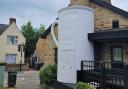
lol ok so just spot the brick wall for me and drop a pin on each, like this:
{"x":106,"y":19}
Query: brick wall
{"x":103,"y":16}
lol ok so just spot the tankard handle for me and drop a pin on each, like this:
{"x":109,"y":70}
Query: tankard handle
{"x":53,"y":33}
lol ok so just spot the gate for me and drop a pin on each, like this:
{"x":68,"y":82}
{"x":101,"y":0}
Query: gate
{"x":2,"y":70}
{"x":102,"y":75}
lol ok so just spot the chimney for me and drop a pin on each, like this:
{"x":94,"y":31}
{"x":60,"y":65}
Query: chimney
{"x":79,"y":2}
{"x":12,"y":20}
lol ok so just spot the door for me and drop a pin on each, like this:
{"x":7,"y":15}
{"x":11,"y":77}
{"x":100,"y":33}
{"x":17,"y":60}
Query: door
{"x":66,"y":66}
{"x":117,"y":57}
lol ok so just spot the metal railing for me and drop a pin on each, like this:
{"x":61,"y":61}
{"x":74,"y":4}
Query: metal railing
{"x":104,"y":75}
{"x":105,"y":29}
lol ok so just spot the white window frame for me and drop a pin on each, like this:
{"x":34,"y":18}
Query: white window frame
{"x":12,"y":60}
{"x":12,"y":40}
{"x":117,"y":54}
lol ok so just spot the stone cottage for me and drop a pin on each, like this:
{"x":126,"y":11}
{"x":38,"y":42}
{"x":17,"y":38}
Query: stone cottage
{"x":46,"y":49}
{"x":110,"y":37}
{"x":10,"y":38}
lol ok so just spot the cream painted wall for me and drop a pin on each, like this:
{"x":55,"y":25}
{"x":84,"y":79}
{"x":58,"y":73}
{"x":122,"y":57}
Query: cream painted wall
{"x":5,"y":48}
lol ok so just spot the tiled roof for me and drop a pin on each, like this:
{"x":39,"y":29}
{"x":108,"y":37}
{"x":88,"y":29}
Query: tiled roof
{"x":43,"y":36}
{"x":3,"y":27}
{"x":45,"y":33}
{"x":111,"y":7}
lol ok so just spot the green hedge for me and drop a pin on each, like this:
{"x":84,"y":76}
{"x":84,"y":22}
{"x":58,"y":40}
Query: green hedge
{"x":47,"y":74}
{"x":2,"y":88}
{"x":7,"y":88}
{"x":1,"y":64}
{"x":82,"y":85}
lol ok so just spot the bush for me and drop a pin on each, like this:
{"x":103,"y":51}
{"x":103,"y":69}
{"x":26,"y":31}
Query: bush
{"x":1,"y":63}
{"x":82,"y":85}
{"x":7,"y":88}
{"x":2,"y":88}
{"x":47,"y":74}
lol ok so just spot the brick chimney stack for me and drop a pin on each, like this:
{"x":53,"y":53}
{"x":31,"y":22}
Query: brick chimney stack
{"x":12,"y":20}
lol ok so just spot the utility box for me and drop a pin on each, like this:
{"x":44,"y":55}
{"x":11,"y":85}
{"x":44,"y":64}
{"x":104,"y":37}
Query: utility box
{"x":12,"y":76}
{"x":2,"y":71}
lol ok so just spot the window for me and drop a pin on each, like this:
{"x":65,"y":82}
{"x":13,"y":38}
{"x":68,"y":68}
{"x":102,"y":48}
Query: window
{"x":115,"y":24}
{"x":117,"y":58}
{"x":117,"y":54}
{"x":11,"y":58}
{"x":12,"y":40}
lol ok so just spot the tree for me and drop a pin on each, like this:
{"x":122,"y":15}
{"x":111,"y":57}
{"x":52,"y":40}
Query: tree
{"x":32,"y":35}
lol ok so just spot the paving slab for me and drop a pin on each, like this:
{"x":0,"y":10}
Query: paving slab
{"x":27,"y":80}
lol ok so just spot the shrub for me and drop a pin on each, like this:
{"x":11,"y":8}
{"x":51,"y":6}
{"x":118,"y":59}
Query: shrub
{"x":82,"y":85}
{"x":2,"y":88}
{"x":47,"y":74}
{"x":1,"y":63}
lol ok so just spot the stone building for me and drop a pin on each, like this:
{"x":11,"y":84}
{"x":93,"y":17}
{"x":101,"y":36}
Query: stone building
{"x":46,"y":49}
{"x":110,"y":35}
{"x":10,"y":38}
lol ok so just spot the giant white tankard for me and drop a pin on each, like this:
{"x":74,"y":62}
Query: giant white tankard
{"x":74,"y":24}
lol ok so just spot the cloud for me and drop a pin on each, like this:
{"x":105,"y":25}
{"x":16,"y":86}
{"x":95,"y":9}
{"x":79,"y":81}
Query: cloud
{"x":123,"y":4}
{"x":38,"y":11}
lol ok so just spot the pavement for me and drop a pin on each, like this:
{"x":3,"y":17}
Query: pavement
{"x":26,"y":80}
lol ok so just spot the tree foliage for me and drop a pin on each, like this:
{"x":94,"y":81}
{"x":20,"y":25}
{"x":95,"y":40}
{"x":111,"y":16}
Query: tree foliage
{"x":32,"y":35}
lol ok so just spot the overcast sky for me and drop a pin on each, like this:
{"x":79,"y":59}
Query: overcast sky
{"x":38,"y":11}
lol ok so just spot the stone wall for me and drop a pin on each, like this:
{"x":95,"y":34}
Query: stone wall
{"x":40,"y":49}
{"x":106,"y":51}
{"x":79,"y":2}
{"x":45,"y":49}
{"x":104,"y":17}
{"x":16,"y":67}
{"x":6,"y":48}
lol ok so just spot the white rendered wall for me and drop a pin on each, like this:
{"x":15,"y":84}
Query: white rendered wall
{"x":74,"y":24}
